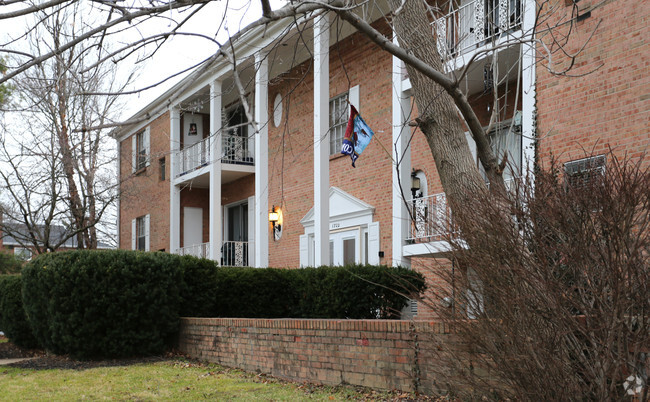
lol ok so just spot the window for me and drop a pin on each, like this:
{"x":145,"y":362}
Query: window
{"x":161,"y":164}
{"x":338,"y":122}
{"x":23,"y":253}
{"x":507,"y":139}
{"x":580,"y":173}
{"x":140,"y":147}
{"x":141,"y":151}
{"x":140,"y":233}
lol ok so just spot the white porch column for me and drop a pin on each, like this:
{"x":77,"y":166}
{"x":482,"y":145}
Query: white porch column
{"x":321,"y":141}
{"x":528,"y":86}
{"x":261,"y":161}
{"x":401,"y":172}
{"x":174,"y":190}
{"x":215,"y":172}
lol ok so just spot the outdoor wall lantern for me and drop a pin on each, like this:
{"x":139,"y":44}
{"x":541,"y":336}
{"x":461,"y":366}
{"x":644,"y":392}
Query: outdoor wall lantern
{"x":415,"y":184}
{"x":275,"y":219}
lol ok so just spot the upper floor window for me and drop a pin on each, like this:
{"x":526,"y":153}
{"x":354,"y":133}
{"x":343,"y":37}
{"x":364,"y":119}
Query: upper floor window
{"x":140,"y":149}
{"x":162,"y":166}
{"x":506,"y":140}
{"x":338,"y":121}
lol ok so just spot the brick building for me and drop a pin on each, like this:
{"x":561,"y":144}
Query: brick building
{"x":200,"y":177}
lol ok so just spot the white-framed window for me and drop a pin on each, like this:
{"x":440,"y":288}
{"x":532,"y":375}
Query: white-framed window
{"x":23,"y":253}
{"x":339,"y":115}
{"x":581,"y":172}
{"x":505,"y":137}
{"x":141,"y":149}
{"x":140,"y":233}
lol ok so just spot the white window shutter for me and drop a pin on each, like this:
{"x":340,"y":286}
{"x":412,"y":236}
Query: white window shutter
{"x":353,"y":97}
{"x":147,"y":135}
{"x":134,"y":228}
{"x":373,"y":243}
{"x":251,"y":231}
{"x":134,"y":153}
{"x":304,"y":251}
{"x":146,"y":233}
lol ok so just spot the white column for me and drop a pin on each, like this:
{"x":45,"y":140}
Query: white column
{"x":402,"y":157}
{"x":528,"y":89}
{"x":215,"y":172}
{"x":261,"y":161}
{"x":321,"y":141}
{"x":174,"y":190}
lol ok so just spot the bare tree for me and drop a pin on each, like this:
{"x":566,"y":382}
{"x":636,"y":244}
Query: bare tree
{"x":60,"y":171}
{"x":557,"y":308}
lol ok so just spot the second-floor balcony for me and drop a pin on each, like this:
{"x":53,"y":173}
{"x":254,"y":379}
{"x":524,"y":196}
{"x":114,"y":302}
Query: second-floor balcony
{"x":474,"y":24}
{"x":234,"y":150}
{"x":430,"y":218}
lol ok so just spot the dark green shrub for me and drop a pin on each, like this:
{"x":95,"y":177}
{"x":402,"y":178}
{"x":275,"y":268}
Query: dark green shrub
{"x":199,"y":287}
{"x":358,"y":291}
{"x":327,"y":292}
{"x":13,"y":321}
{"x":9,"y":264}
{"x":103,"y":303}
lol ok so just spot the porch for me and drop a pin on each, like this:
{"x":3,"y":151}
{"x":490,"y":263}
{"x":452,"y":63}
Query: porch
{"x":233,"y":253}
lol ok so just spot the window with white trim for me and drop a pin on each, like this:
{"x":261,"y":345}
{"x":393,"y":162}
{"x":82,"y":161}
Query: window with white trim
{"x":140,"y":150}
{"x":339,"y":112}
{"x":140,"y":233}
{"x":23,"y":253}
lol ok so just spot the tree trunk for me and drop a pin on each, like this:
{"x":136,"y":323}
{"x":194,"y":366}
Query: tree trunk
{"x":438,"y":118}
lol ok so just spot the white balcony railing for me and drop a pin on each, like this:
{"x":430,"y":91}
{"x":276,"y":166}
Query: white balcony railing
{"x":474,"y":24}
{"x":194,"y":156}
{"x":236,"y":149}
{"x":431,"y":218}
{"x":201,"y":250}
{"x":234,"y":254}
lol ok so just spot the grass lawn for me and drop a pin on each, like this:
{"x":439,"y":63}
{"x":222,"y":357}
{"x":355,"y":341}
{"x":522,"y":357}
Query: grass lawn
{"x":168,"y":380}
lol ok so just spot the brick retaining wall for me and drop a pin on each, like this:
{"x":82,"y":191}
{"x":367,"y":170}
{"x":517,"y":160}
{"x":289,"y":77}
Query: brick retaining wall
{"x":373,"y":353}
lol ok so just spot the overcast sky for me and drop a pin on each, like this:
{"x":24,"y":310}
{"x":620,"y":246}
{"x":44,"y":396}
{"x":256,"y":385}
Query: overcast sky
{"x":177,"y":54}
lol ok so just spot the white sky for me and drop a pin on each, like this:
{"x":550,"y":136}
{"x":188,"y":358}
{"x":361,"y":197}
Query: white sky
{"x":178,"y":53}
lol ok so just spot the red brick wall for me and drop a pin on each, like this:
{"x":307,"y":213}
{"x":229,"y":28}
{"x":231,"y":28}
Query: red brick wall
{"x":143,"y":193}
{"x":238,"y":190}
{"x":372,"y":353}
{"x":609,"y":107}
{"x":291,"y":177}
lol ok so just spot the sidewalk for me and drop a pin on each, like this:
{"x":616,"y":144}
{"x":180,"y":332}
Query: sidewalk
{"x":4,"y":362}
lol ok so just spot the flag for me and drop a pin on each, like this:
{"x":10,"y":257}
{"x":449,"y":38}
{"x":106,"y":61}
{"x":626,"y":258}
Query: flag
{"x":357,"y":136}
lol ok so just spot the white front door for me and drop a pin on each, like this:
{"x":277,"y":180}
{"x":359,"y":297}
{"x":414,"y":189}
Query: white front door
{"x":192,"y":226}
{"x":345,"y":247}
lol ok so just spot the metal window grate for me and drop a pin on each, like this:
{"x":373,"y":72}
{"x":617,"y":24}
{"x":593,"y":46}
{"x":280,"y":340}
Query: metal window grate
{"x":414,"y":307}
{"x":338,"y":122}
{"x":581,"y":172}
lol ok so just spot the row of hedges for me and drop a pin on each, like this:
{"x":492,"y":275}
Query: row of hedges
{"x":13,"y":321}
{"x":356,"y":292}
{"x":123,"y":303}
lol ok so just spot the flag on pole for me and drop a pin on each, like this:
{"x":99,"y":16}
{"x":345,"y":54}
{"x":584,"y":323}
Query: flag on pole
{"x":357,"y":136}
